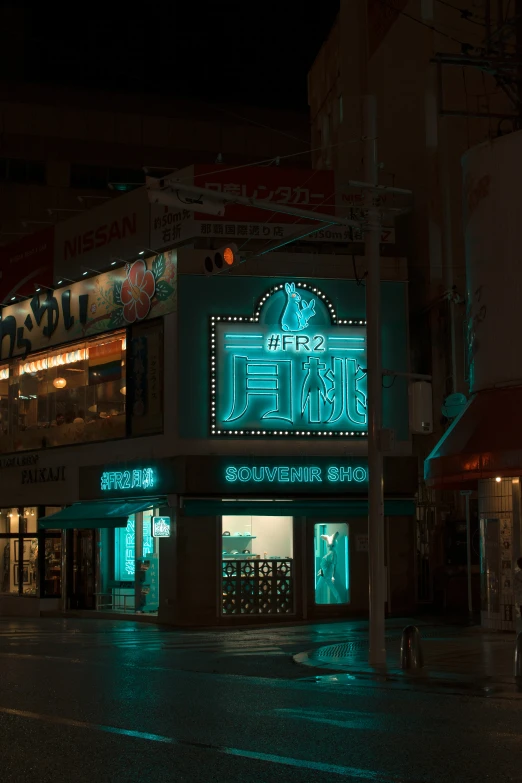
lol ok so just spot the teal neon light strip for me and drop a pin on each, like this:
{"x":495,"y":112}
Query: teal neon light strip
{"x":320,"y":387}
{"x":334,"y":474}
{"x":139,"y":478}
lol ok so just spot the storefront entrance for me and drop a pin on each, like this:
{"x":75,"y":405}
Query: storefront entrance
{"x":82,"y":569}
{"x":111,"y":555}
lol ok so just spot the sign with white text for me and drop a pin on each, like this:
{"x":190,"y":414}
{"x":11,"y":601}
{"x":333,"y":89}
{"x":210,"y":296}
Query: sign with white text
{"x":313,"y":190}
{"x":118,"y":228}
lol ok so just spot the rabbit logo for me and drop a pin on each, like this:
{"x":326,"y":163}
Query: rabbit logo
{"x":297,"y":313}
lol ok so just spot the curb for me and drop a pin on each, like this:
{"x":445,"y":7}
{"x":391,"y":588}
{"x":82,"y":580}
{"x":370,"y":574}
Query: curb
{"x":480,"y":684}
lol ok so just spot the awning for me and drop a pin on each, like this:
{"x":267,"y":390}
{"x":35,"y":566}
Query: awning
{"x":485,"y":441}
{"x":83,"y":516}
{"x":316,"y":507}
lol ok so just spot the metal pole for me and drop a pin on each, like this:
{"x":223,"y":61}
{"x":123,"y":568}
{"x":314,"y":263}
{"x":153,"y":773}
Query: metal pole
{"x":377,"y":651}
{"x":468,"y":548}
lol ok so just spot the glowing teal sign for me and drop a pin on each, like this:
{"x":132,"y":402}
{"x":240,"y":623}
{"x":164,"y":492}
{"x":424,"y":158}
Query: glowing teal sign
{"x":125,"y":550}
{"x":140,"y":478}
{"x":161,"y":527}
{"x":291,"y":369}
{"x":309,"y":474}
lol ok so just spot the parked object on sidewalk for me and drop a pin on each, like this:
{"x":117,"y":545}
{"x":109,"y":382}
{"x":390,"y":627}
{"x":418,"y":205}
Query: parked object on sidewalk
{"x":518,"y":659}
{"x":517,"y":584}
{"x":411,"y":648}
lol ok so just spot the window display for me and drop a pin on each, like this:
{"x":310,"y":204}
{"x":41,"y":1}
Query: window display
{"x":332,"y":566}
{"x":257,"y":565}
{"x":18,"y":556}
{"x":128,"y":558}
{"x":254,"y":538}
{"x":64,"y":396}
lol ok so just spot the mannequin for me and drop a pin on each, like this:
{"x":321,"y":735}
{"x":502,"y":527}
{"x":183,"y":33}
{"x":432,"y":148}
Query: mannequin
{"x":326,"y":571}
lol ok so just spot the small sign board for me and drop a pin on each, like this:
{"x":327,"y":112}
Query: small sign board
{"x":361,"y":542}
{"x":161,"y":527}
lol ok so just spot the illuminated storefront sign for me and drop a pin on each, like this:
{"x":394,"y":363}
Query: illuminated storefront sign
{"x":138,"y":291}
{"x":291,"y":369}
{"x":300,"y":474}
{"x":138,"y":478}
{"x":161,"y":527}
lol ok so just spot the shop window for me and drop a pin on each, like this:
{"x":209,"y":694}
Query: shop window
{"x":257,"y":565}
{"x":18,"y":556}
{"x":135,"y":551}
{"x":63,"y":397}
{"x":331,"y":563}
{"x":52,"y":573}
{"x":51,"y":585}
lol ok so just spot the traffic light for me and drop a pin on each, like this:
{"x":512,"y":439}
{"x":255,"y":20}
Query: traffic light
{"x":221,"y":259}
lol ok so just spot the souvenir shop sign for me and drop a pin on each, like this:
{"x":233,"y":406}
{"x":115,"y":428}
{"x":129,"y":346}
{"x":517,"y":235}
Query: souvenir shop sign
{"x":291,"y":369}
{"x":270,"y":476}
{"x":138,"y":291}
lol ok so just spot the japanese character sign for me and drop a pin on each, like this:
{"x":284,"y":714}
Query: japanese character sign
{"x":292,"y":368}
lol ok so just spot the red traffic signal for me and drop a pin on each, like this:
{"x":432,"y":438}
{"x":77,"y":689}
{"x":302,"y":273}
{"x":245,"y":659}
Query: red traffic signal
{"x":221,"y":259}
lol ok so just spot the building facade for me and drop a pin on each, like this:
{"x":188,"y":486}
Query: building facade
{"x":194,"y":448}
{"x":428,"y":115}
{"x":480,"y":451}
{"x":66,"y":151}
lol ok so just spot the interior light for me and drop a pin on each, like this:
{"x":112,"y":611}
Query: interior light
{"x":123,"y":390}
{"x":38,"y":290}
{"x":85,"y":273}
{"x":113,"y":263}
{"x":60,"y":282}
{"x":59,"y":383}
{"x":13,"y":298}
{"x":141,"y":252}
{"x":498,"y":479}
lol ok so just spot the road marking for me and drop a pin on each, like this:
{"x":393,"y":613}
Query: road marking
{"x":288,"y":761}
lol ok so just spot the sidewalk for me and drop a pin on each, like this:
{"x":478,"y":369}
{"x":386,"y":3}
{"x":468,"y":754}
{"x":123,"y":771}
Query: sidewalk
{"x":463,"y":657}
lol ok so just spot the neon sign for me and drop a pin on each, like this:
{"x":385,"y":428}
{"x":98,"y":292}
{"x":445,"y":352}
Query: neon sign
{"x":308,"y":474}
{"x":291,"y":369}
{"x":140,"y":478}
{"x":161,"y":527}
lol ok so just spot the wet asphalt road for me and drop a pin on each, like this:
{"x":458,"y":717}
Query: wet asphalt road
{"x":93,"y":700}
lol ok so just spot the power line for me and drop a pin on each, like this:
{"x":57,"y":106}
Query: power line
{"x":271,"y":160}
{"x":426,"y":25}
{"x":465,"y":13}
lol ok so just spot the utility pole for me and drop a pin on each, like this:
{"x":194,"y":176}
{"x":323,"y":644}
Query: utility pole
{"x":377,"y":649}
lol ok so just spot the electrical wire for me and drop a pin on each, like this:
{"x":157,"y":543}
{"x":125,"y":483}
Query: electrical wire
{"x":391,"y":384}
{"x":267,"y":161}
{"x":426,"y":25}
{"x":465,"y":13}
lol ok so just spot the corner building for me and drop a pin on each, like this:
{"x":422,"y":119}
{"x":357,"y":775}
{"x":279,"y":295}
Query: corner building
{"x":195,"y":448}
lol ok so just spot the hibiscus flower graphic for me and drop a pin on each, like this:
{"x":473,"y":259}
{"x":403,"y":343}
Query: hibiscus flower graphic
{"x":137,"y":291}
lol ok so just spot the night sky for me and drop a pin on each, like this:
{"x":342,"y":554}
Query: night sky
{"x":231,"y":51}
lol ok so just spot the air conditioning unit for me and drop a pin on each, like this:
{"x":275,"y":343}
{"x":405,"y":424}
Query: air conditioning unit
{"x":421,"y":408}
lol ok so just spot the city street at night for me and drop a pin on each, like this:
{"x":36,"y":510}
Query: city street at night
{"x":84,"y":700}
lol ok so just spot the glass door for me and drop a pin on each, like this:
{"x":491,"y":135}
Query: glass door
{"x":83,"y":570}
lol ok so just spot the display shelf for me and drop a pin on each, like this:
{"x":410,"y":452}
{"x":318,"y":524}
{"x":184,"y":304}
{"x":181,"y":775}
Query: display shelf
{"x":244,"y":535}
